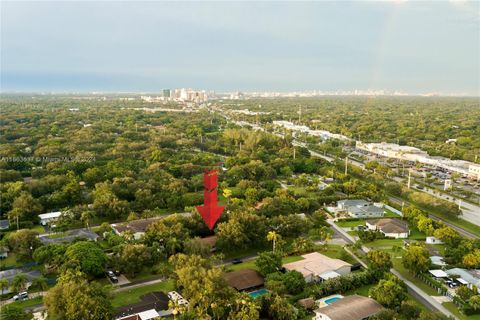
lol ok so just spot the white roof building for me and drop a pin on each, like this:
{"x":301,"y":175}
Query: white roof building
{"x":438,"y":273}
{"x":45,"y":218}
{"x":318,"y":267}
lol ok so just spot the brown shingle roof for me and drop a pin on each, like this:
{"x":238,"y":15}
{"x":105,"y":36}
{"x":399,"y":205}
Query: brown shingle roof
{"x":210,"y":241}
{"x":307,"y":303}
{"x":244,"y":279}
{"x":135,"y":225}
{"x":353,"y":307}
{"x":390,"y":225}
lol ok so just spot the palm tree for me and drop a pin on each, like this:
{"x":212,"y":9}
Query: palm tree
{"x":15,"y":214}
{"x":40,"y":283}
{"x":4,"y":284}
{"x":19,"y":282}
{"x":86,"y":217}
{"x":274,"y":237}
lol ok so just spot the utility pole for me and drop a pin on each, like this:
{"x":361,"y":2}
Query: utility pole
{"x":346,"y":165}
{"x":294,"y":153}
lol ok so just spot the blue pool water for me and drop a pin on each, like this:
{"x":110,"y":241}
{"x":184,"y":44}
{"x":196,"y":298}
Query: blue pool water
{"x":331,"y":300}
{"x":258,"y":293}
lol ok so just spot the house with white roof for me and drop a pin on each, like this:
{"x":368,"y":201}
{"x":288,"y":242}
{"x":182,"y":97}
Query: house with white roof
{"x":469,"y":278}
{"x":361,"y":208}
{"x":49,"y":217}
{"x":433,"y":240}
{"x":316,"y":267}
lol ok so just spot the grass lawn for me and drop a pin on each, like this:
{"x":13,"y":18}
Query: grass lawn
{"x":132,"y":296}
{"x":336,"y":252}
{"x":397,"y":264}
{"x":390,"y":214}
{"x":244,"y":265}
{"x":300,"y":191}
{"x":461,"y":223}
{"x":146,"y":273}
{"x":10,"y":261}
{"x":453,"y":309}
{"x":28,"y":303}
{"x":350,"y":224}
{"x":38,"y":228}
{"x":291,"y":259}
{"x":437,"y":247}
{"x":246,"y":252}
{"x":251,"y":264}
{"x":362,"y":291}
{"x":416,"y":235}
{"x":385,"y":244}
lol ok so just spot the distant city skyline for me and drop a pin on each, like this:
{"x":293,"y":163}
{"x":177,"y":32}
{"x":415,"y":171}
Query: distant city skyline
{"x":395,"y":46}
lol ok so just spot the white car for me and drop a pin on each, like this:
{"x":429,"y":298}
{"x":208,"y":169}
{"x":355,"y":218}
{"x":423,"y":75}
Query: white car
{"x":20,"y":296}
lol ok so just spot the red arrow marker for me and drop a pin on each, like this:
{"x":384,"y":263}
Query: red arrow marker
{"x":210,"y":211}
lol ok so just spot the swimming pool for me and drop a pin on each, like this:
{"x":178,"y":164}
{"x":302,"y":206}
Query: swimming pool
{"x":258,"y":293}
{"x":331,"y":300}
{"x":325,"y":302}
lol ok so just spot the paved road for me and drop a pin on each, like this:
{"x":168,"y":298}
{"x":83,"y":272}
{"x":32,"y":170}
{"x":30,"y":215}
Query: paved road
{"x":30,"y":296}
{"x":461,"y":231}
{"x":418,"y":293}
{"x":41,"y":307}
{"x":470,"y":212}
{"x":424,"y":298}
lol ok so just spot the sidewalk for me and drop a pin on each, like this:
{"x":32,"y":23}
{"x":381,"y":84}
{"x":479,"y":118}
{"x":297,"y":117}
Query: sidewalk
{"x":419,"y":294}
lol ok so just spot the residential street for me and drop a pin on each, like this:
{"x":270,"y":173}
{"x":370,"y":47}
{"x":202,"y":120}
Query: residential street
{"x":420,"y":295}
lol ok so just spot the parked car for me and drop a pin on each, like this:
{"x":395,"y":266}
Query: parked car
{"x":111,"y":275}
{"x":20,"y":296}
{"x":236,"y":261}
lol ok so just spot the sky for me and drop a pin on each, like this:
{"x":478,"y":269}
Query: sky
{"x":408,"y":46}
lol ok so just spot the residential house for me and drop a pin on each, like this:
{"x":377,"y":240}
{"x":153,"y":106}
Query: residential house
{"x":361,"y":208}
{"x":11,"y":273}
{"x":316,"y":267}
{"x":151,"y":306}
{"x":433,"y":240}
{"x":136,"y":227}
{"x":70,"y":236}
{"x":244,"y":280}
{"x":469,"y":278}
{"x":391,"y":228}
{"x":438,"y":274}
{"x":209,"y":241}
{"x":4,"y":224}
{"x":353,"y":307}
{"x":48,"y":218}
